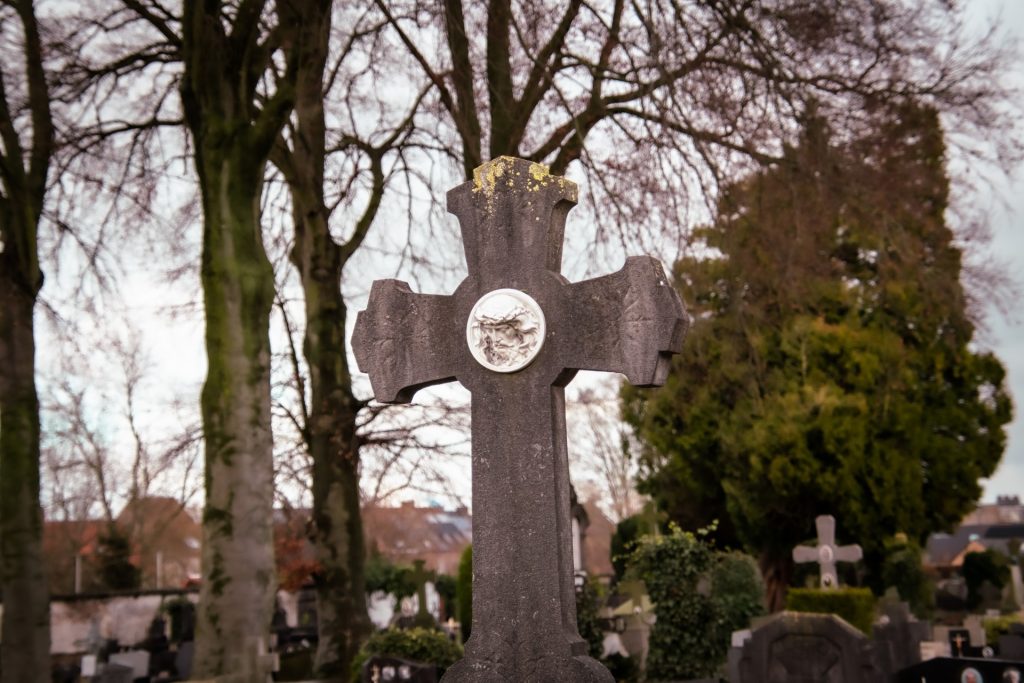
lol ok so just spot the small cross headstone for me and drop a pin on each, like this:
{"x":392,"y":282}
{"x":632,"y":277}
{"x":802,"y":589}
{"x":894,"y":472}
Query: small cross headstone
{"x":827,"y":553}
{"x":515,"y":333}
{"x":420,"y":575}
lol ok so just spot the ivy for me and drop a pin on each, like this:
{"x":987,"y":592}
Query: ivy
{"x":700,"y":597}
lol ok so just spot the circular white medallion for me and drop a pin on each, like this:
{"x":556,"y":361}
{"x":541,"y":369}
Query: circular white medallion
{"x":505,"y":330}
{"x":826,"y":554}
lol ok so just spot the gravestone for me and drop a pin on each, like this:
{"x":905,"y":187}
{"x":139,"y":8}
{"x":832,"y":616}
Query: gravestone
{"x":514,"y":333}
{"x":827,"y":553}
{"x":420,"y":575}
{"x":796,"y":647}
{"x":898,"y":637}
{"x":115,"y":673}
{"x":137,"y":660}
{"x":385,"y":669}
{"x":962,"y":670}
{"x":1011,"y":645}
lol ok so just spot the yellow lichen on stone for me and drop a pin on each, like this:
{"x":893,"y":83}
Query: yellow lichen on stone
{"x":539,"y":172}
{"x":487,"y":176}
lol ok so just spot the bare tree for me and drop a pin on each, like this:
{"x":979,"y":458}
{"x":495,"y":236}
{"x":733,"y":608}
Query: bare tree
{"x":599,"y":449}
{"x":26,"y":147}
{"x":655,"y":103}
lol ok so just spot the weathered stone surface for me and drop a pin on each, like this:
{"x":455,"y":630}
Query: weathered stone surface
{"x":512,"y":218}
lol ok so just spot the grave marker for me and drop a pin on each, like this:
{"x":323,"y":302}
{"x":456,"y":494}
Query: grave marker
{"x":420,"y":575}
{"x":827,"y":553}
{"x":515,"y":333}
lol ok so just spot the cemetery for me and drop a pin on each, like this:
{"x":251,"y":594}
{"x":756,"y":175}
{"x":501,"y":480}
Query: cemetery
{"x":675,"y":609}
{"x":535,"y":342}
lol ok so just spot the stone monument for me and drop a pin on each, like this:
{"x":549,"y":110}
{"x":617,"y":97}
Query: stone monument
{"x":794,"y":647}
{"x":514,"y":333}
{"x":827,"y":553}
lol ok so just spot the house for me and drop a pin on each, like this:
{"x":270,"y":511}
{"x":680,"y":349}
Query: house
{"x":998,"y":526}
{"x":408,"y":532}
{"x":164,"y":538}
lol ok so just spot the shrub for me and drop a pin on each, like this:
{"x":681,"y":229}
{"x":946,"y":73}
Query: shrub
{"x":903,"y":571}
{"x":855,"y":605}
{"x":382,"y":575}
{"x":991,"y":566}
{"x":464,"y":592}
{"x":588,"y":602}
{"x":418,"y":644}
{"x":700,"y":597}
{"x":116,"y":570}
{"x":998,"y":626}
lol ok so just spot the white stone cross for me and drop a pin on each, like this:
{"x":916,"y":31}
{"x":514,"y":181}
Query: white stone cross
{"x":827,"y":553}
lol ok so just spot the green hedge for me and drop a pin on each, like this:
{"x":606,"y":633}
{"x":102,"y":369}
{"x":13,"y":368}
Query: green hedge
{"x":855,"y":605}
{"x":418,"y":644}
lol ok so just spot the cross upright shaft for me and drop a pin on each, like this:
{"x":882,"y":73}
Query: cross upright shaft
{"x":515,"y":332}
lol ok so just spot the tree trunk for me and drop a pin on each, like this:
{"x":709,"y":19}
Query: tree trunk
{"x":25,"y":627}
{"x":237,"y":595}
{"x":777,"y":572}
{"x":337,"y":527}
{"x":232,"y":140}
{"x":337,"y":522}
{"x":25,"y":651}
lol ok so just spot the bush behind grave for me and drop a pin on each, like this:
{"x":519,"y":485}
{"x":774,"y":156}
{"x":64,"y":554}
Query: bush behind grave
{"x":419,"y":644}
{"x":700,"y":595}
{"x":855,"y":605}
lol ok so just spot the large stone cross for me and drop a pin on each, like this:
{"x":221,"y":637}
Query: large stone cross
{"x":515,"y":332}
{"x":827,"y":553}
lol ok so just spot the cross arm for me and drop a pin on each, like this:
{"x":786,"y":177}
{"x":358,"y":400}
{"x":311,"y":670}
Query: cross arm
{"x":631,"y":322}
{"x":804,"y":553}
{"x":404,"y":340}
{"x":849,"y":553}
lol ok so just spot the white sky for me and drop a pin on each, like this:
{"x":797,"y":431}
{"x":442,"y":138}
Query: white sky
{"x":1006,"y":335}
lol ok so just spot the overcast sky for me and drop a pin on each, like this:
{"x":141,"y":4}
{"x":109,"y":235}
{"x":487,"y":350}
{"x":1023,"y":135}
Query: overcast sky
{"x":181,"y":343}
{"x":1006,"y":336}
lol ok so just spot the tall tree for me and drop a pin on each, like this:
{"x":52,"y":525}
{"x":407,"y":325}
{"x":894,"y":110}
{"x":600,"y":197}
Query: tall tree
{"x":830,"y":366}
{"x":227,"y":49}
{"x":26,"y":147}
{"x":329,"y":425}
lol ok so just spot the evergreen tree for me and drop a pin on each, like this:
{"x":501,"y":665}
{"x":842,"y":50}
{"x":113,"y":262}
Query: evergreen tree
{"x":830,"y":367}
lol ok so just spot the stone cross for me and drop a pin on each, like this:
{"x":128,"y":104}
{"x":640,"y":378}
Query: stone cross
{"x":827,"y":553}
{"x":420,"y":576}
{"x":514,"y":333}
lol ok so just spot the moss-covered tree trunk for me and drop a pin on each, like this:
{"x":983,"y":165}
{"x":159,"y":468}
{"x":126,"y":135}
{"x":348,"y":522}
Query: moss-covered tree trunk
{"x":337,"y":528}
{"x":25,"y":651}
{"x":232,"y":139}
